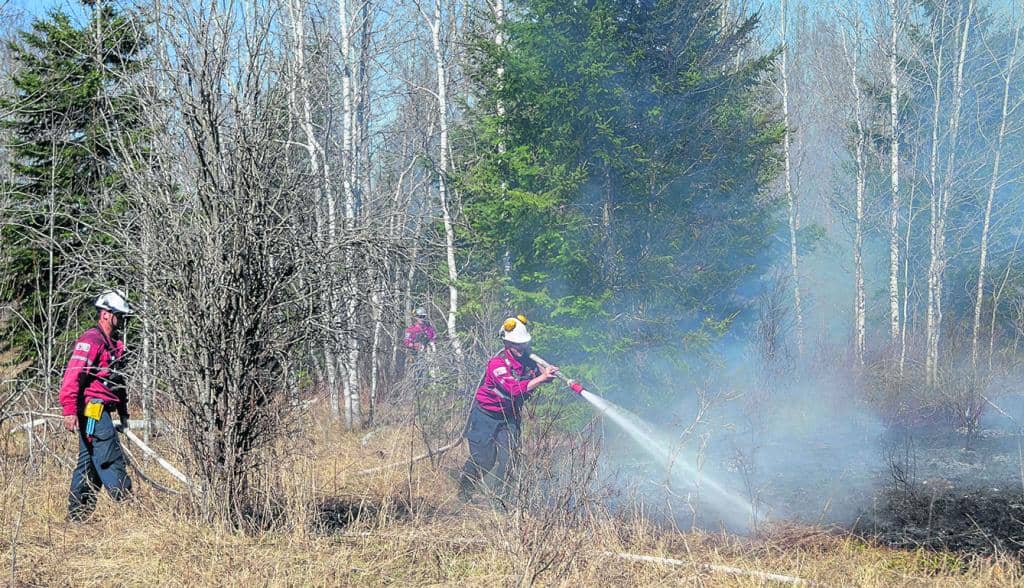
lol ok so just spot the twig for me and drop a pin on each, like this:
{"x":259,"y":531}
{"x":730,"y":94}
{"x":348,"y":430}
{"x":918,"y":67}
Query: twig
{"x":61,"y":460}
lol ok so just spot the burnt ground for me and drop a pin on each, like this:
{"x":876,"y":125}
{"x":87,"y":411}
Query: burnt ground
{"x":952,"y":491}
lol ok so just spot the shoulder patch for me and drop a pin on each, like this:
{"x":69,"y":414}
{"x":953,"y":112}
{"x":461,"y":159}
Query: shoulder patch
{"x":82,"y":346}
{"x":500,"y":371}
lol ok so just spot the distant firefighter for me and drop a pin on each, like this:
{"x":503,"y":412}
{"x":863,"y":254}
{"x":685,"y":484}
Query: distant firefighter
{"x":93,"y":385}
{"x":494,"y":421}
{"x":420,"y":334}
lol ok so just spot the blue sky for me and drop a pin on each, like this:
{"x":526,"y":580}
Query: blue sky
{"x":39,"y":7}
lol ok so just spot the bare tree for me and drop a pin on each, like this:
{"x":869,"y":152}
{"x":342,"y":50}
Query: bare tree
{"x":223,"y":291}
{"x":894,"y":174}
{"x":942,"y":192}
{"x":791,"y":200}
{"x":1008,"y":76}
{"x":436,"y":20}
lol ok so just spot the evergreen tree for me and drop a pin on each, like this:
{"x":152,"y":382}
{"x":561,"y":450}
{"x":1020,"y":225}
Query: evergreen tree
{"x":618,"y":172}
{"x":70,"y":108}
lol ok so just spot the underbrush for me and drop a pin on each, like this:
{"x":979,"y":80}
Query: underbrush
{"x":404,"y":526}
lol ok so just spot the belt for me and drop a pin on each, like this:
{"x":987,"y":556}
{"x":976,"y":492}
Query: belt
{"x":496,"y":415}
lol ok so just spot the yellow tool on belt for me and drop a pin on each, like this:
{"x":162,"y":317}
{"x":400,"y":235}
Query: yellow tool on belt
{"x":93,"y":414}
{"x":94,"y":410}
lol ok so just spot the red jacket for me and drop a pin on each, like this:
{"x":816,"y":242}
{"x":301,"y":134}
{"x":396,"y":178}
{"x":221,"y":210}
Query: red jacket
{"x":503,"y":388}
{"x":419,"y":335}
{"x":93,"y":372}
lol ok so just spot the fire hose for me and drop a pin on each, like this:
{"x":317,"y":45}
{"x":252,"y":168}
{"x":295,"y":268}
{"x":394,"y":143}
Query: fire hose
{"x":127,"y":432}
{"x":574,"y":385}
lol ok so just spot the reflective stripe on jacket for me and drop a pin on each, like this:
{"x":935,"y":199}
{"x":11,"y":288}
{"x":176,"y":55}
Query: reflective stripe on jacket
{"x":93,"y":372}
{"x":503,"y":388}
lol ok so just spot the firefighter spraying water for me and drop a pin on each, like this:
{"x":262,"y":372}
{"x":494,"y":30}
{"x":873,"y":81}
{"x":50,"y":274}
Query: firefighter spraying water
{"x":493,"y":428}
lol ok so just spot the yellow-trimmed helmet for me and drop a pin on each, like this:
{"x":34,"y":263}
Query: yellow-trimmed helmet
{"x":513,"y":330}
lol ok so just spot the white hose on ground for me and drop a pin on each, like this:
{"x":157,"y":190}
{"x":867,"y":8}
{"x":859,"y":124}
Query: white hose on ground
{"x":163,"y":462}
{"x":780,"y":578}
{"x":408,"y":462}
{"x":712,"y":568}
{"x":127,"y":433}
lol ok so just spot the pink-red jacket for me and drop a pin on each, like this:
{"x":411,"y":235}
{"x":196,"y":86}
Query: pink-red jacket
{"x":419,"y":335}
{"x":503,"y":388}
{"x":89,"y":373}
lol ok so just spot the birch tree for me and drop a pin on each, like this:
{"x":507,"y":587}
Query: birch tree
{"x":434,"y":18}
{"x":319,"y":170}
{"x":852,"y":49}
{"x":1008,"y":76}
{"x":791,"y":201}
{"x":894,"y":175}
{"x":941,"y":193}
{"x":349,"y":179}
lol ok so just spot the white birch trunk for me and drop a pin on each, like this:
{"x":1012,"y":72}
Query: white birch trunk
{"x":853,"y":57}
{"x":993,"y":184}
{"x":894,"y":179}
{"x":318,"y":171}
{"x":790,"y":196}
{"x":934,"y":208}
{"x":941,"y":207}
{"x":351,"y":363}
{"x":442,"y":173}
{"x":906,"y":284}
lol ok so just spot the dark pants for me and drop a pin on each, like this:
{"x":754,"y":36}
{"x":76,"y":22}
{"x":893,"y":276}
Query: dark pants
{"x":100,"y":462}
{"x":493,"y":443}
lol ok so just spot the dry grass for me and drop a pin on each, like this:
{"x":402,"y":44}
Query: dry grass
{"x":405,"y":528}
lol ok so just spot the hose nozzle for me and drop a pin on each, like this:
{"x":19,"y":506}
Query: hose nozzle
{"x":573,"y":384}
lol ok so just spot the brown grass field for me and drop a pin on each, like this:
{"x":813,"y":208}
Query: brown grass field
{"x":404,"y":527}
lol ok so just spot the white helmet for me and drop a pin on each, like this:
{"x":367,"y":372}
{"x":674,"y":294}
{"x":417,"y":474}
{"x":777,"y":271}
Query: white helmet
{"x":421,"y":312}
{"x":514,"y":330}
{"x":113,"y":301}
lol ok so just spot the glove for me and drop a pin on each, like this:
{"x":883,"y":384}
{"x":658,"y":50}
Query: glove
{"x":123,"y":426}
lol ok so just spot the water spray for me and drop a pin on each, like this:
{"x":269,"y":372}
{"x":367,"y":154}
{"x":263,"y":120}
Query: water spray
{"x":733,"y":507}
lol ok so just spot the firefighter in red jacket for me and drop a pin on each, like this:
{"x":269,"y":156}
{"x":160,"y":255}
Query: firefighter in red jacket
{"x":494,"y":422}
{"x":92,"y":387}
{"x":420,"y":334}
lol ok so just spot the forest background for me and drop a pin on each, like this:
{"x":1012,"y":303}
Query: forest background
{"x":693,"y":201}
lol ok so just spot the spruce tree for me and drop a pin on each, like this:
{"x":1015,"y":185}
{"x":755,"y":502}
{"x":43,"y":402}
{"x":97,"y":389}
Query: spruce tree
{"x":622,"y":180}
{"x":69,"y":109}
